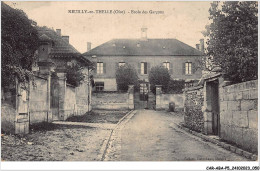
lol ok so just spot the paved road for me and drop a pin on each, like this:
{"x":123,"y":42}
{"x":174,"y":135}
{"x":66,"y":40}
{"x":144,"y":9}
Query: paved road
{"x":152,"y":136}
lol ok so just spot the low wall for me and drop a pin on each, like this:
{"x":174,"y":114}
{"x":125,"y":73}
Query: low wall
{"x":111,"y":100}
{"x":176,"y":98}
{"x":193,"y":117}
{"x":239,"y":114}
{"x":162,"y":100}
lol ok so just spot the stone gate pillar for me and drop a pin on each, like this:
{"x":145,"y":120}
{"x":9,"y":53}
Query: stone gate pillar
{"x":158,"y":105}
{"x":131,"y":97}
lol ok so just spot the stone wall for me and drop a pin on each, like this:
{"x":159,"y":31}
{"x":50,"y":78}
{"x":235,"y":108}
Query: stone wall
{"x":176,"y":98}
{"x":113,"y":100}
{"x":239,"y":115}
{"x":83,"y":98}
{"x":193,"y":117}
{"x":8,"y":114}
{"x":14,"y":109}
{"x":70,"y":101}
{"x":162,"y":100}
{"x":38,"y":101}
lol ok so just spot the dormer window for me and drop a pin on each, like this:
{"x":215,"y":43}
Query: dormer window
{"x":114,"y":44}
{"x":124,"y":47}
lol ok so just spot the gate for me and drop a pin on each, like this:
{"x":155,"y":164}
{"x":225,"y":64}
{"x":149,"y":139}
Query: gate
{"x":143,"y":98}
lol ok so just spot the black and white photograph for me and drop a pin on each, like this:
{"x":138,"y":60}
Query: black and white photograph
{"x":96,"y":83}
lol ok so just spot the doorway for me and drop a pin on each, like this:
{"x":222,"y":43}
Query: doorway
{"x":213,"y":99}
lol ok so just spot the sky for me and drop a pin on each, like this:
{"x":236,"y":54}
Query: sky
{"x":181,"y":20}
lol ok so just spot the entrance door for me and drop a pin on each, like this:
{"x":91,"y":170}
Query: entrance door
{"x":215,"y":107}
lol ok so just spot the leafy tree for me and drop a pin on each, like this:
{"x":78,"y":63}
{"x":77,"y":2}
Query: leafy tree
{"x":126,"y":75}
{"x":74,"y":74}
{"x":19,"y":43}
{"x":159,"y":75}
{"x":176,"y":86}
{"x":233,"y":36}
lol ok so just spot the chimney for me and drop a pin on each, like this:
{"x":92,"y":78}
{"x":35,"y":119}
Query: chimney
{"x":58,"y":31}
{"x":202,"y":45}
{"x":143,"y":33}
{"x":66,"y":38}
{"x":88,"y":46}
{"x":198,"y":46}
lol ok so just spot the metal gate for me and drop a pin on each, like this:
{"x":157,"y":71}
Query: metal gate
{"x":143,"y":98}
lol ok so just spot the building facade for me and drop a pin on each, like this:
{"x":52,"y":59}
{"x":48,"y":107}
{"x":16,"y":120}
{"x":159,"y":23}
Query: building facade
{"x":143,"y":54}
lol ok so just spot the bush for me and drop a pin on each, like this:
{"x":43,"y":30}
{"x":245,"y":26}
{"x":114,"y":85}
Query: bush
{"x":159,"y":76}
{"x":176,"y":86}
{"x":126,"y":75}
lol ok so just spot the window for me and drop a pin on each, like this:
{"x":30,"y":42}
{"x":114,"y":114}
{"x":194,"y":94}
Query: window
{"x":188,"y":68}
{"x":121,"y":64}
{"x":143,"y":67}
{"x":99,"y":86}
{"x":166,"y":65}
{"x":100,"y":68}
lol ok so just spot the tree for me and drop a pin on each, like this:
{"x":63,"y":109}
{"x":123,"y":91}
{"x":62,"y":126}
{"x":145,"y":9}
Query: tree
{"x":126,"y":75}
{"x":159,"y":75}
{"x":19,"y":43}
{"x":74,"y":74}
{"x":176,"y":86}
{"x":232,"y":38}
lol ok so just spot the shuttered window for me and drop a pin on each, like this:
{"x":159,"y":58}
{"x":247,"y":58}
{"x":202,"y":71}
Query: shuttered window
{"x":144,"y":68}
{"x":188,"y":68}
{"x":166,"y":65}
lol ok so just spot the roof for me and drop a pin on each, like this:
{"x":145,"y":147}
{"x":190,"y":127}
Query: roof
{"x":60,"y":45}
{"x":149,"y":47}
{"x":60,"y":48}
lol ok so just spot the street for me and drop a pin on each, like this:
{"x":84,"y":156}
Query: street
{"x":152,"y":136}
{"x":143,"y":135}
